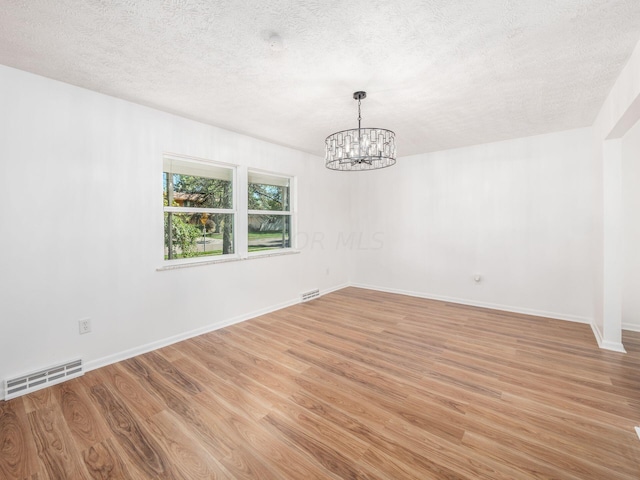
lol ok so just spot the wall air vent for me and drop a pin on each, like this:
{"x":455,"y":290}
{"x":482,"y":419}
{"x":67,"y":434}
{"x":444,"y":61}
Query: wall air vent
{"x":17,"y":386}
{"x":310,"y":295}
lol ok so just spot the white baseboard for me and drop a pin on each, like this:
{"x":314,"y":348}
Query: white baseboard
{"x":473,"y":303}
{"x":126,"y":354}
{"x":334,"y":289}
{"x":132,"y":352}
{"x":597,"y":334}
{"x":632,"y":327}
{"x":108,"y":360}
{"x":148,"y":347}
{"x":606,"y":344}
{"x":613,"y":346}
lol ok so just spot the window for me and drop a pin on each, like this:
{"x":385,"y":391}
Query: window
{"x":219,"y":212}
{"x":199,"y":208}
{"x":269,"y":211}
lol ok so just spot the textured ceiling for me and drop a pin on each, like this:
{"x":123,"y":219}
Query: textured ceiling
{"x":440,"y":73}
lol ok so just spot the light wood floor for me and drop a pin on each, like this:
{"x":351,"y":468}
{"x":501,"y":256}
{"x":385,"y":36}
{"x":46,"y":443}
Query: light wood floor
{"x":356,"y":384}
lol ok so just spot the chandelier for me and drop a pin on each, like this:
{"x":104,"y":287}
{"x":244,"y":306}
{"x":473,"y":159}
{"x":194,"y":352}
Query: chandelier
{"x":360,"y":148}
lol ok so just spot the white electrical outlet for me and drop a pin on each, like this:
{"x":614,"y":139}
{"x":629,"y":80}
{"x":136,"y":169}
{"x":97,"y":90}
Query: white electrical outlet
{"x":84,"y":325}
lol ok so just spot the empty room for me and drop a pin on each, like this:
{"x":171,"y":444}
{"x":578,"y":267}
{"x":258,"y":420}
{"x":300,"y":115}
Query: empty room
{"x":320,"y":239}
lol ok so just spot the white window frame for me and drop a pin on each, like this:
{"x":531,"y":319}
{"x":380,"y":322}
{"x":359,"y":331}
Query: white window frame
{"x":228,"y":211}
{"x":291,"y":213}
{"x":240,"y":212}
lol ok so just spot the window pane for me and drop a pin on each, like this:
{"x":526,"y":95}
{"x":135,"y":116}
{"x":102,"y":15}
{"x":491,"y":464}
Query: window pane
{"x":268,"y":232}
{"x":181,"y":190}
{"x":268,"y":192}
{"x":189,"y":235}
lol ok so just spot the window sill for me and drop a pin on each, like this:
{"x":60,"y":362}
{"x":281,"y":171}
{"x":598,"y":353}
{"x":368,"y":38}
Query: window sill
{"x":271,"y":253}
{"x":230,"y":258}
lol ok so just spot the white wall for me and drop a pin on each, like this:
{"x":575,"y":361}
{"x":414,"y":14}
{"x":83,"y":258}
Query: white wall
{"x":519,"y":213}
{"x":82,"y":229}
{"x":631,"y":229}
{"x":619,"y":112}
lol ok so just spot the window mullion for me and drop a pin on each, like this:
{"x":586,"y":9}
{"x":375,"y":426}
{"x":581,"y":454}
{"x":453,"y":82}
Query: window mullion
{"x":199,"y":210}
{"x":242,"y":222}
{"x":269,"y":212}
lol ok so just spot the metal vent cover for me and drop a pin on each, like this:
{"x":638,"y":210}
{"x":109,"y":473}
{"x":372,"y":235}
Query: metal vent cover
{"x":310,"y":295}
{"x":17,"y":386}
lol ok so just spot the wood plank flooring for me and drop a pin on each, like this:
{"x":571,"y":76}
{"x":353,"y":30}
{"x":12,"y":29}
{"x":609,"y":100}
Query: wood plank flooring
{"x":354,"y":385}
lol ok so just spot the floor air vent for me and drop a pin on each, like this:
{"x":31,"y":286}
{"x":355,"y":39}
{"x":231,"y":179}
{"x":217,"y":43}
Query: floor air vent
{"x":310,"y":295}
{"x":14,"y":387}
